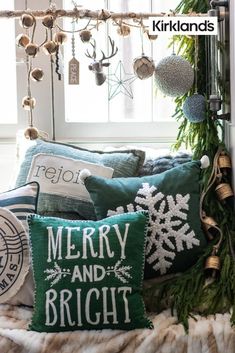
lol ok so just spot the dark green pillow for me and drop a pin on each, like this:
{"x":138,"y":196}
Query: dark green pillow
{"x":124,"y":164}
{"x":87,"y":274}
{"x":175,"y":238}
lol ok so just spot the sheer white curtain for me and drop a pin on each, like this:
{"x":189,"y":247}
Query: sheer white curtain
{"x":8,"y":107}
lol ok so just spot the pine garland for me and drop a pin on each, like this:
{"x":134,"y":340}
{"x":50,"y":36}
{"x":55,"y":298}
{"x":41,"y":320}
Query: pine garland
{"x":202,"y":137}
{"x":193,"y":291}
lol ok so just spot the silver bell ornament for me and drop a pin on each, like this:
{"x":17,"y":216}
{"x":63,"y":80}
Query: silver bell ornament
{"x":28,"y":103}
{"x":194,"y":108}
{"x":143,"y":67}
{"x":27,"y":20}
{"x":32,"y":49}
{"x":85,"y":35}
{"x":48,"y":21}
{"x":31,"y":133}
{"x":50,"y":47}
{"x":36,"y":74}
{"x":60,"y":37}
{"x":174,"y":75}
{"x":22,"y":40}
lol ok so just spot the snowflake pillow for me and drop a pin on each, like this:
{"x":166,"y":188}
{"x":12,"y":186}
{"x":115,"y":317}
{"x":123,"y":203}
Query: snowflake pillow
{"x":175,"y":238}
{"x":87,"y":276}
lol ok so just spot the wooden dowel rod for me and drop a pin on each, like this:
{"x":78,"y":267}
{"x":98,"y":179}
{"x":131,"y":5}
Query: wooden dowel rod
{"x":87,"y":14}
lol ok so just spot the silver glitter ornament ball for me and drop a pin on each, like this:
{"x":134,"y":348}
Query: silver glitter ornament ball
{"x":143,"y":67}
{"x":174,"y":75}
{"x":194,"y":108}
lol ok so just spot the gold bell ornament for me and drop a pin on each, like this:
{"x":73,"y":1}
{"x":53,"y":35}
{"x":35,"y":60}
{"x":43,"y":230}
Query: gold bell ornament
{"x":48,"y":21}
{"x":60,"y":38}
{"x":209,"y":225}
{"x":32,"y":49}
{"x":22,"y":40}
{"x":123,"y":30}
{"x":36,"y":74}
{"x":28,"y":103}
{"x":224,"y":162}
{"x":50,"y":47}
{"x":31,"y":133}
{"x":224,"y":191}
{"x":213,"y":263}
{"x":27,"y":20}
{"x":85,"y":35}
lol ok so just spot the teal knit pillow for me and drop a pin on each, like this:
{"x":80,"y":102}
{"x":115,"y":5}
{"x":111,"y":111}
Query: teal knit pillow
{"x":56,"y":166}
{"x":175,"y":238}
{"x":87,"y":274}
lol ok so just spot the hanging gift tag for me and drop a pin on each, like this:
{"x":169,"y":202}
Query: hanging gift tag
{"x":73,"y":72}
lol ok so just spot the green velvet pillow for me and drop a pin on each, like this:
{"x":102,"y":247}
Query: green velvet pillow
{"x":175,"y":238}
{"x":87,"y":274}
{"x":56,"y":167}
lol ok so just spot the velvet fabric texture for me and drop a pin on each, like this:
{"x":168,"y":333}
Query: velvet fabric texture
{"x":87,"y":274}
{"x":175,"y":238}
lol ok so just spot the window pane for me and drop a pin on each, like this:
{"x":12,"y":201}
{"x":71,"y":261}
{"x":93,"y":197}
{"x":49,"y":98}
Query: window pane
{"x":134,"y":102}
{"x":163,"y":106}
{"x":85,"y":102}
{"x":123,"y":97}
{"x":8,"y":109}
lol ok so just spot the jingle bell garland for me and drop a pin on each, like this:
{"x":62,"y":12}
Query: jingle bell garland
{"x":193,"y":292}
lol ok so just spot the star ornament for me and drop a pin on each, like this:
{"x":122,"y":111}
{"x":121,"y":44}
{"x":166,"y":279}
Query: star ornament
{"x":120,"y":82}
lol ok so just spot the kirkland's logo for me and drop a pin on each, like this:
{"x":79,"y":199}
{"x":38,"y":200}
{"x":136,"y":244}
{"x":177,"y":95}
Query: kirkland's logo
{"x":205,"y":25}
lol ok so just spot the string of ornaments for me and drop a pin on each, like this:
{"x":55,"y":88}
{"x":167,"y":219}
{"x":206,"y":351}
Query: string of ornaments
{"x":173,"y":75}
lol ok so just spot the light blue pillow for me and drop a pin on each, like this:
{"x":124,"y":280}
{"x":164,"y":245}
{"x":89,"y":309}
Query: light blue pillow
{"x":124,"y":163}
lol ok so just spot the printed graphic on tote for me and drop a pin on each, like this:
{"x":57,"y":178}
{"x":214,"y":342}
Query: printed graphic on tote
{"x":60,"y":175}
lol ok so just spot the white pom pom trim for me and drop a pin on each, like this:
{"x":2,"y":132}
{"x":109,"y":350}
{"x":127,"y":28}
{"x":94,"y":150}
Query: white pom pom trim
{"x":85,"y":173}
{"x":205,"y":162}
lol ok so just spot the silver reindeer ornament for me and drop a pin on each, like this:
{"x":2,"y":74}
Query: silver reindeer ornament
{"x":97,"y":65}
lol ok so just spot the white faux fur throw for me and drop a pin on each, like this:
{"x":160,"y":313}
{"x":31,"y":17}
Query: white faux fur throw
{"x":211,"y":335}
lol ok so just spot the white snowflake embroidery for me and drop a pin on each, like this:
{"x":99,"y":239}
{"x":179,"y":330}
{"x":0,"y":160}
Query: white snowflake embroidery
{"x":168,"y":230}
